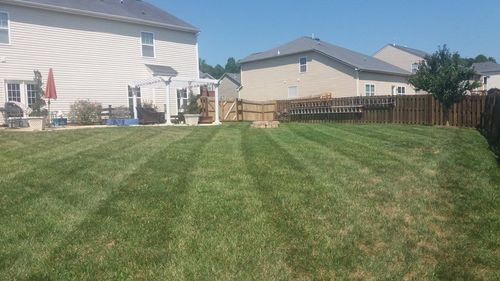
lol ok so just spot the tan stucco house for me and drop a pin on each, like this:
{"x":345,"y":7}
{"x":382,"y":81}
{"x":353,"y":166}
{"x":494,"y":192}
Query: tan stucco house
{"x":310,"y":67}
{"x":490,"y":74}
{"x":401,"y":56}
{"x":230,"y":85}
{"x":98,"y":51}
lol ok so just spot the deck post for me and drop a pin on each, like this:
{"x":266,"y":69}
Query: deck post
{"x":217,"y":117}
{"x":134,"y":103}
{"x":168,"y":115}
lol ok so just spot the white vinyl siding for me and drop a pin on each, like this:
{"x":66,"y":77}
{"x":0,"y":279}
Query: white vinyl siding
{"x":369,"y":90}
{"x":293,"y":92}
{"x":93,"y":59}
{"x":303,"y":64}
{"x":148,"y":44}
{"x":4,"y":28}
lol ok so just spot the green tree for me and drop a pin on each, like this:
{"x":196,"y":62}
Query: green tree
{"x":38,"y":105}
{"x":446,"y":77}
{"x":232,"y":66}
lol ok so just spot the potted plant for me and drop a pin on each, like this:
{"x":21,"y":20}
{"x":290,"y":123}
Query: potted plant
{"x":192,"y":111}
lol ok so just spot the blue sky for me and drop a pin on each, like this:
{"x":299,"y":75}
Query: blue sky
{"x":240,"y":27}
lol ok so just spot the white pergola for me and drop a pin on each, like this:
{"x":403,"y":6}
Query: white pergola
{"x":166,"y":81}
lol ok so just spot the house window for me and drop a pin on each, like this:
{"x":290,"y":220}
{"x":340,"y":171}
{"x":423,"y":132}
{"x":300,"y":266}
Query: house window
{"x":401,"y":90}
{"x":131,"y":98}
{"x":148,"y":44}
{"x":14,"y":92}
{"x":293,"y":92}
{"x":303,"y":64}
{"x":485,"y":81}
{"x":31,"y":94}
{"x":4,"y":28}
{"x":182,"y":99}
{"x":369,"y":90}
{"x":414,"y":68}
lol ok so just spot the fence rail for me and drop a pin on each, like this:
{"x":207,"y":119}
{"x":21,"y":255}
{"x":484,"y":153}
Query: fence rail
{"x":413,"y":109}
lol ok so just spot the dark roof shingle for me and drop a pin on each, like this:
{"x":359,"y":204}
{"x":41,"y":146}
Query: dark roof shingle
{"x":130,"y":9}
{"x":352,"y":58}
{"x":416,"y":52}
{"x":486,"y":67}
{"x":236,"y":77}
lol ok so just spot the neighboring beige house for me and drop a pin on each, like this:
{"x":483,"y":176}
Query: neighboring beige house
{"x":310,"y":67}
{"x":230,"y":85}
{"x":97,"y":49}
{"x":490,"y":74}
{"x":401,"y":56}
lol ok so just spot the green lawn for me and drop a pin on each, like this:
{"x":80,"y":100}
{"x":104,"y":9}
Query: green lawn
{"x":303,"y":202}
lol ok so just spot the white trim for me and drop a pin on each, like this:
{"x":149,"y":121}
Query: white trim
{"x":197,"y":59}
{"x":374,"y":90}
{"x":154,"y":45}
{"x":411,"y":67}
{"x":23,"y":89}
{"x":400,"y":87}
{"x":300,"y":65}
{"x":99,"y":15}
{"x":8,"y":29}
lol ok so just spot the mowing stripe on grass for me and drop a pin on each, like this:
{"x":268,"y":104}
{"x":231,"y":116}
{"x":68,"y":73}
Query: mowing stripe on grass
{"x":158,"y":187}
{"x":268,"y":164}
{"x":62,"y":192}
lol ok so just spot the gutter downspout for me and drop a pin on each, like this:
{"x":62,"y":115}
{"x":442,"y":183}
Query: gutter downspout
{"x":357,"y":70}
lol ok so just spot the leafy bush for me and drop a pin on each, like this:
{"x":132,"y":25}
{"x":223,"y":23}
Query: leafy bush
{"x":192,"y":106}
{"x":150,"y":106}
{"x":39,"y":103}
{"x":85,"y":112}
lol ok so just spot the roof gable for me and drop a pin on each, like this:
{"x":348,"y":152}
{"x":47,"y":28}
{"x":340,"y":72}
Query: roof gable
{"x":136,"y":10}
{"x":416,"y":52}
{"x":346,"y":56}
{"x":235,"y":77}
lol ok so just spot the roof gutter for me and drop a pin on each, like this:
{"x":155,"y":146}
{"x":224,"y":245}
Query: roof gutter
{"x":100,"y":15}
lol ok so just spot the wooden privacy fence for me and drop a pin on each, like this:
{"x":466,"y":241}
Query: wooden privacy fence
{"x":490,"y":121}
{"x":413,"y":109}
{"x":239,"y":110}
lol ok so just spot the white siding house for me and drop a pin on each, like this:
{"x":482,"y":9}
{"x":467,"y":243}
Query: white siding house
{"x":490,"y":74}
{"x":96,"y":49}
{"x":309,"y":67}
{"x":401,"y":56}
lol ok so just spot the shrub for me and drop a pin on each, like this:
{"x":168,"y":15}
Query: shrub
{"x":85,"y":112}
{"x":149,"y":106}
{"x":192,"y":106}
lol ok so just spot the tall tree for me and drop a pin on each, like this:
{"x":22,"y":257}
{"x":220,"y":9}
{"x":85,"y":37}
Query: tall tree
{"x":39,"y":103}
{"x":446,"y":77}
{"x":232,"y":66}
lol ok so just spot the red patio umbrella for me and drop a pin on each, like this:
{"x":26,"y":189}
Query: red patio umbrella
{"x":50,"y":91}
